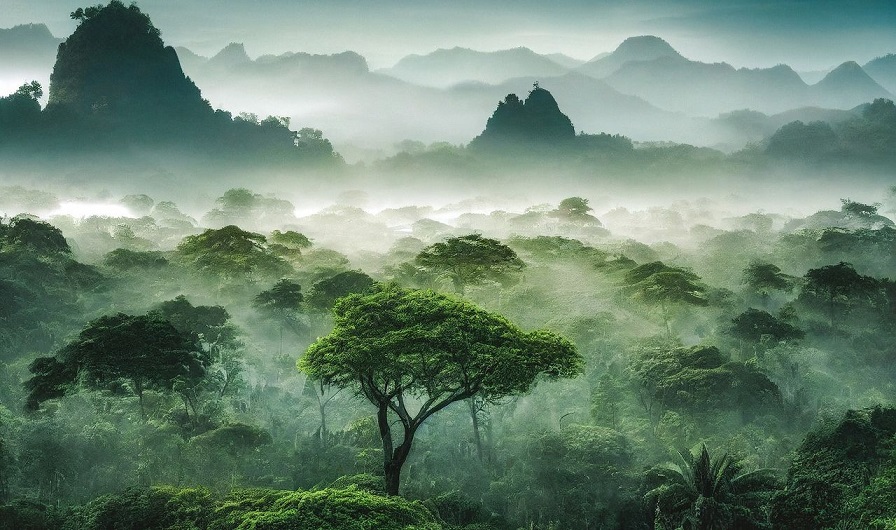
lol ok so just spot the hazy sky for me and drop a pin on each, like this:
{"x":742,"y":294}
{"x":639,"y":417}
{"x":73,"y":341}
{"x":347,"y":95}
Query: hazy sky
{"x":808,"y":35}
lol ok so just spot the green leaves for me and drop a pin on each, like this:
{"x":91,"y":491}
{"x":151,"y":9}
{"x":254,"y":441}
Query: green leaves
{"x":470,"y":260}
{"x":146,"y":350}
{"x":393,"y":345}
{"x":426,"y":344}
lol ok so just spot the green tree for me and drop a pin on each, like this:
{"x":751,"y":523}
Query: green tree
{"x":211,"y":326}
{"x":574,"y":207}
{"x":706,"y":493}
{"x":145,"y":351}
{"x":755,"y":326}
{"x":763,"y":278}
{"x":470,"y":260}
{"x":396,"y":347}
{"x":836,"y":284}
{"x":231,"y":253}
{"x":282,"y":302}
{"x":324,"y":293}
{"x":658,"y":283}
{"x":34,"y":235}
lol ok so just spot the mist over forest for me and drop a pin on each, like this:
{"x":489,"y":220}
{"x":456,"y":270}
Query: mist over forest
{"x":477,"y":287}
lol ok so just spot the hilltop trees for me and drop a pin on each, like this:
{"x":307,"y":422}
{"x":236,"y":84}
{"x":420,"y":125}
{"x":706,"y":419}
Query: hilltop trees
{"x":413,"y":353}
{"x":537,"y":121}
{"x":231,"y":253}
{"x":470,"y":260}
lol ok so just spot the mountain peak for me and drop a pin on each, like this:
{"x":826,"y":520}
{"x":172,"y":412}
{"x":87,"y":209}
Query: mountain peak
{"x":644,"y":48}
{"x":848,"y":72}
{"x":116,"y":64}
{"x":848,"y":85}
{"x":233,"y":53}
{"x":535,"y":121}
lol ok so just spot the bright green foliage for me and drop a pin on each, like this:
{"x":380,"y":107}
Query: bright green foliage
{"x":395,"y":345}
{"x":337,"y":509}
{"x":231,"y":253}
{"x":290,"y":239}
{"x":706,"y":493}
{"x":158,"y":508}
{"x":471,"y":260}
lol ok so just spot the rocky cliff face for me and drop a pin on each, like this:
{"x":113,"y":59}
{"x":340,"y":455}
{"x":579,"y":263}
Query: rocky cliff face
{"x":537,"y":120}
{"x":115,"y":65}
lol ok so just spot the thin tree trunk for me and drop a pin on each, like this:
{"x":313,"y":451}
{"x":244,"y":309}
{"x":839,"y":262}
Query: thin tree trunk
{"x":666,"y":319}
{"x":474,"y":414}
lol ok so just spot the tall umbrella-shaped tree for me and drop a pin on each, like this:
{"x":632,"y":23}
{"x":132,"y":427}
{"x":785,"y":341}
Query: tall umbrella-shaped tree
{"x":412,"y":353}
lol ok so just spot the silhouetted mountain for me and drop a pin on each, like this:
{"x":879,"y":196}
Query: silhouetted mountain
{"x":27,"y":42}
{"x":444,"y":68}
{"x":537,"y":121}
{"x":847,"y":86}
{"x":632,"y":49}
{"x":234,"y":54}
{"x":597,"y":107}
{"x":867,"y":137}
{"x":115,"y":85}
{"x":116,"y":67}
{"x":27,"y":53}
{"x":337,"y":93}
{"x":883,"y":70}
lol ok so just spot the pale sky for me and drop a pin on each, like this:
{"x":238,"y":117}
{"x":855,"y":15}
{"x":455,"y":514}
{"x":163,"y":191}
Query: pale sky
{"x":808,"y":35}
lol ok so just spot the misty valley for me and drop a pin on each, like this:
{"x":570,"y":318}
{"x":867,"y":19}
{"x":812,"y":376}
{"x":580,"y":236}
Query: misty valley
{"x":471,"y":291}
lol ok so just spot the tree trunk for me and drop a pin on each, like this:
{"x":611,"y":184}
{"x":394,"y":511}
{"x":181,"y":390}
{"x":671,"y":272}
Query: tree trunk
{"x":138,"y":389}
{"x":666,"y":319}
{"x":393,"y":460}
{"x":322,"y":407}
{"x":382,"y":419}
{"x":832,"y":311}
{"x":474,"y":414}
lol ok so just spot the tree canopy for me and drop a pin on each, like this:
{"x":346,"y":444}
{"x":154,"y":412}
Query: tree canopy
{"x":397,"y":346}
{"x":470,"y":260}
{"x":146,"y":351}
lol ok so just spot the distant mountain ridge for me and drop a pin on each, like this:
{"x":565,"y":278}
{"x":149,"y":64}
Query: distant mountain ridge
{"x":637,"y":49}
{"x":446,"y":67}
{"x":883,"y":70}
